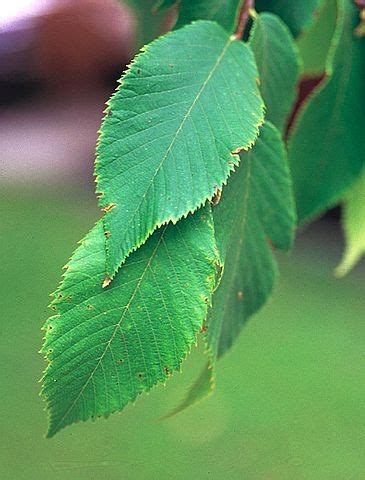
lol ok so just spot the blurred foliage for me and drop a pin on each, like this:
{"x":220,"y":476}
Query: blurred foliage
{"x":315,"y":42}
{"x":326,"y":143}
{"x":288,"y":403}
{"x":297,"y":14}
{"x":151,"y":22}
{"x":354,"y":226}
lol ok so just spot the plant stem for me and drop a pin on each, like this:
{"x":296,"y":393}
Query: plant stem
{"x":243,"y":17}
{"x":360,"y":3}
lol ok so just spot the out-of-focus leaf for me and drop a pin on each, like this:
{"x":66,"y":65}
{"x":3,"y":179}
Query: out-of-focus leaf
{"x":185,"y":108}
{"x":315,"y":42}
{"x":297,"y":14}
{"x":259,"y":201}
{"x":225,"y":13}
{"x":327,"y":143}
{"x":106,"y":346}
{"x":163,"y":4}
{"x":255,"y":214}
{"x":201,"y":389}
{"x":150,"y":25}
{"x":277,"y":61}
{"x":354,"y":226}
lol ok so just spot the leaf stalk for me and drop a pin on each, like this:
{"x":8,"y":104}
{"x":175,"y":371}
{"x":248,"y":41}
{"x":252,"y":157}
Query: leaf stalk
{"x":243,"y":17}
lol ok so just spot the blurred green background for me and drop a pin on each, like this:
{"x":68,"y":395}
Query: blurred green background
{"x":290,"y":395}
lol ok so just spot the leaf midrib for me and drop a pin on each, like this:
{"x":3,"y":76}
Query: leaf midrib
{"x":231,"y":39}
{"x":117,"y":326}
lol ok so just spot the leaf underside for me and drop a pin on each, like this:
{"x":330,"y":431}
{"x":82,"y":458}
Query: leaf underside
{"x":186,"y":105}
{"x":106,"y":346}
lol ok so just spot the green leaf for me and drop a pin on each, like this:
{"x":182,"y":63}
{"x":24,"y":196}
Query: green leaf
{"x":106,"y":346}
{"x":354,"y":226}
{"x":225,"y":13}
{"x":151,"y":23}
{"x":184,"y":109}
{"x":315,"y":42}
{"x":256,"y":207}
{"x":260,"y":269}
{"x":326,"y":147}
{"x":164,"y":4}
{"x":277,"y":61}
{"x":256,"y":212}
{"x":201,"y":389}
{"x":296,"y":14}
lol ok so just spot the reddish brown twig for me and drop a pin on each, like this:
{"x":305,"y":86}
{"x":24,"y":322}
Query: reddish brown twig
{"x":360,"y":3}
{"x":243,"y":17}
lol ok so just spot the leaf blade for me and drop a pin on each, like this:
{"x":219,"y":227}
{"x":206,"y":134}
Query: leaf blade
{"x":278,"y":63}
{"x":193,"y":118}
{"x":259,"y":193}
{"x":325,"y":155}
{"x":297,"y":16}
{"x":314,"y":43}
{"x":106,"y":346}
{"x":224,"y":13}
{"x":353,"y":222}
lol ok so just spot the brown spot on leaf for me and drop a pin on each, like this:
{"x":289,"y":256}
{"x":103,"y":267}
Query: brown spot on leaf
{"x":106,"y":282}
{"x":240,"y":295}
{"x":108,"y":207}
{"x":237,"y":151}
{"x":217,"y":196}
{"x":270,"y":243}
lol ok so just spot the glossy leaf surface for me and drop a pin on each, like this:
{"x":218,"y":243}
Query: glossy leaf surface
{"x":184,"y":109}
{"x":106,"y":346}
